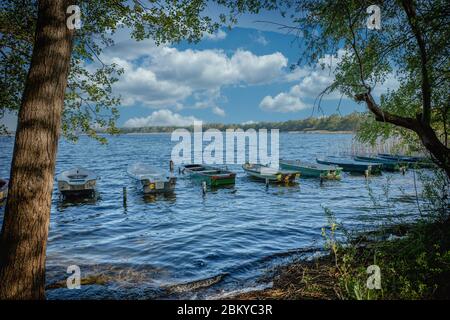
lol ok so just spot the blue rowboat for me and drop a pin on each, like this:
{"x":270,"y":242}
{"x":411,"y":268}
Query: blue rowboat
{"x":412,"y":161}
{"x":351,"y":165}
{"x":388,"y":164}
{"x":312,"y":170}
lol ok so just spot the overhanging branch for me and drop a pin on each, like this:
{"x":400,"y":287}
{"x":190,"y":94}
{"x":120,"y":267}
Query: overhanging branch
{"x":383,"y":116}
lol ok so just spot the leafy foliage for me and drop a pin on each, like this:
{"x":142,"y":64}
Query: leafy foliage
{"x":90,"y":103}
{"x":414,"y":259}
{"x":411,"y":52}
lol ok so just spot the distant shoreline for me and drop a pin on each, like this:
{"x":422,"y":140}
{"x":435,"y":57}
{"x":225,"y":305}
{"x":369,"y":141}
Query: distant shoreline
{"x":290,"y":132}
{"x":333,"y":124}
{"x":11,"y":134}
{"x":322,"y":132}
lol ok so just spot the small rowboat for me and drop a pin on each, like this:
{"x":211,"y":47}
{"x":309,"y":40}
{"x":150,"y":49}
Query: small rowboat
{"x":152,"y":180}
{"x":267,"y":173}
{"x":312,"y":170}
{"x":417,"y":162}
{"x":388,"y":164}
{"x":213,"y":176}
{"x":351,"y":165}
{"x":399,"y":157}
{"x":3,"y":189}
{"x":77,"y":182}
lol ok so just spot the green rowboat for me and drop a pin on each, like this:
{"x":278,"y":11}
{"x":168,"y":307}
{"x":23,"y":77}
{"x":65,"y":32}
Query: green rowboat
{"x":214,"y":177}
{"x":312,"y":170}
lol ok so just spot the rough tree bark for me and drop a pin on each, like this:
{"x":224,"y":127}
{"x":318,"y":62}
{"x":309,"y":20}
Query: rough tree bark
{"x":439,"y":151}
{"x":24,"y":233}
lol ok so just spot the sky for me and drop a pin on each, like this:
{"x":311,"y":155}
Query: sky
{"x":238,"y":75}
{"x":233,"y":76}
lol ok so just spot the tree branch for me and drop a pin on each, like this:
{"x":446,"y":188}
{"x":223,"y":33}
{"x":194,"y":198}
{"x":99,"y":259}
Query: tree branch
{"x":410,"y":11}
{"x":383,"y":116}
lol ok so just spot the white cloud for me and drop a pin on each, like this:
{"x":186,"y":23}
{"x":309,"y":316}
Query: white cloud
{"x":161,"y":117}
{"x":167,"y":77}
{"x":312,"y":81}
{"x":296,"y":74}
{"x":283,"y":102}
{"x":261,"y":40}
{"x":141,"y":86}
{"x":391,"y":83}
{"x":219,"y":35}
{"x":218,"y":111}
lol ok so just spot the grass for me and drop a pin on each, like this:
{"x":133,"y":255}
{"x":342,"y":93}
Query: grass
{"x":415,"y":265}
{"x":413,"y":259}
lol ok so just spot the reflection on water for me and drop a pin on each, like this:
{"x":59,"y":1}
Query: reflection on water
{"x":150,"y":198}
{"x":210,"y":244}
{"x":71,"y":201}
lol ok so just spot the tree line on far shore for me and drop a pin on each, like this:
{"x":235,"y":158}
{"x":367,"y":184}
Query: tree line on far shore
{"x":333,"y":122}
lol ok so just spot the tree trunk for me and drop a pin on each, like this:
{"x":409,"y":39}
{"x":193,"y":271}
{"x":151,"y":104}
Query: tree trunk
{"x":24,"y":233}
{"x":438,"y":150}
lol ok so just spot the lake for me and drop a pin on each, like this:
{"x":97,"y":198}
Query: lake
{"x":223,"y":242}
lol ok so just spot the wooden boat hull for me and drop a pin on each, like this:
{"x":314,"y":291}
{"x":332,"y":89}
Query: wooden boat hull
{"x":157,"y":187}
{"x":214,"y":177}
{"x":387,"y":164}
{"x":152,"y":180}
{"x":77,"y":182}
{"x":278,"y":176}
{"x":353,"y":166}
{"x":308,"y":170}
{"x":413,"y":162}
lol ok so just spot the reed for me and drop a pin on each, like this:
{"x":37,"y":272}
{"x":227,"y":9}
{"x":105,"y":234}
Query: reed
{"x":392,"y":145}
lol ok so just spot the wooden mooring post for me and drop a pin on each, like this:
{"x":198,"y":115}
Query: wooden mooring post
{"x":204,"y":188}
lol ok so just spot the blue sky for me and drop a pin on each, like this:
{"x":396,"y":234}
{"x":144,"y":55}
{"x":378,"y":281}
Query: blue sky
{"x":233,"y":76}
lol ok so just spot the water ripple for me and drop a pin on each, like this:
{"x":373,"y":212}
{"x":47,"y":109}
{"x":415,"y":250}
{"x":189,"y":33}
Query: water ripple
{"x":164,"y":241}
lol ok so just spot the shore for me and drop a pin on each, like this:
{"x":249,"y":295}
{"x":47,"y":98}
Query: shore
{"x":301,"y":280}
{"x":414,"y":261}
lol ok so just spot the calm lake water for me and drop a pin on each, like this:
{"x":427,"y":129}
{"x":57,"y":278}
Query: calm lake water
{"x":212,"y":245}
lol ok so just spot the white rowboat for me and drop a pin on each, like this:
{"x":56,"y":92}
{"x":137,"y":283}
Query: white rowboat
{"x":77,"y":182}
{"x":152,"y":180}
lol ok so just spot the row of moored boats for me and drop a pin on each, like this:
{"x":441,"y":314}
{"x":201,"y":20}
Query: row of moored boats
{"x":82,"y":182}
